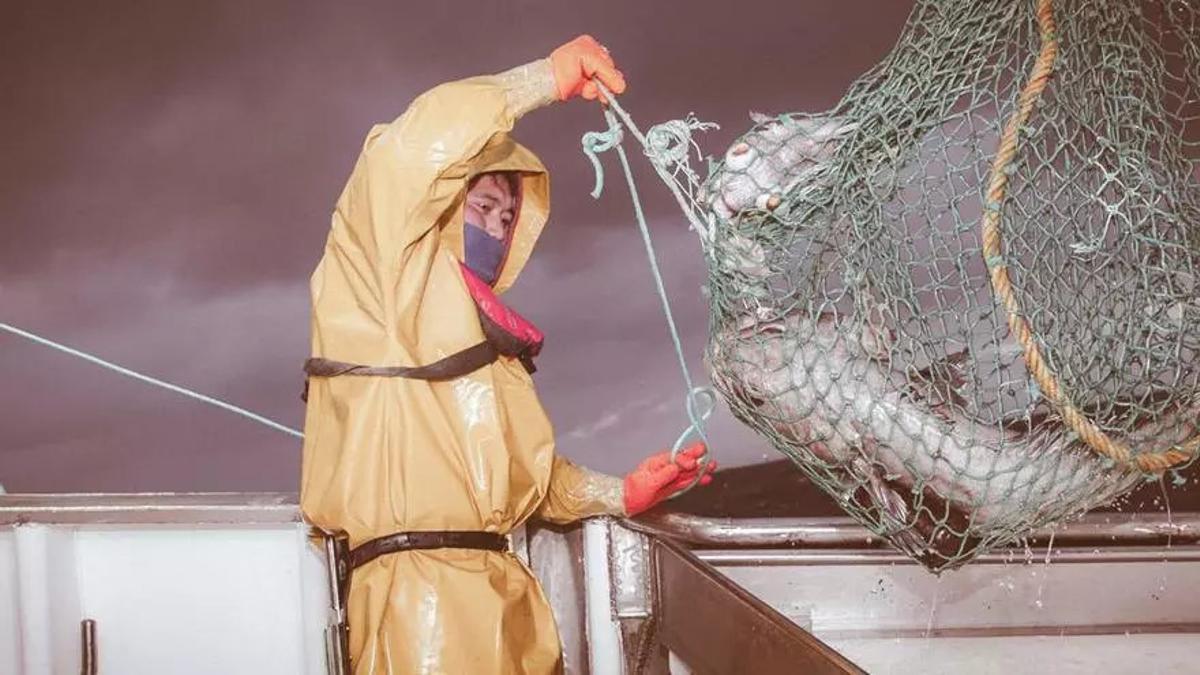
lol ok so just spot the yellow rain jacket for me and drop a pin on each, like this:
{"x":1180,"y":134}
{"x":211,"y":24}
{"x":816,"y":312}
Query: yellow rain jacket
{"x":388,"y":454}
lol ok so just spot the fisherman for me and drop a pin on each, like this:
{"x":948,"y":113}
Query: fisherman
{"x":424,"y":440}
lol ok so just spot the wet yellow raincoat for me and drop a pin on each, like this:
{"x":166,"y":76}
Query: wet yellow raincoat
{"x":385,"y":455}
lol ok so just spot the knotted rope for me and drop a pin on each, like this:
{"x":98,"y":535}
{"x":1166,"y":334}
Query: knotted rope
{"x":667,"y":146}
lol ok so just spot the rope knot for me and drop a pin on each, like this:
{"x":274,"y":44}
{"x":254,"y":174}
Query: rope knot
{"x":667,"y":144}
{"x":596,"y":142}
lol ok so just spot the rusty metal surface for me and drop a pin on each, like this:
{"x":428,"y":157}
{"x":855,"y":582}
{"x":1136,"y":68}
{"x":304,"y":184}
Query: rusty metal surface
{"x":716,"y":627}
{"x":629,"y":568}
{"x":644,"y":653}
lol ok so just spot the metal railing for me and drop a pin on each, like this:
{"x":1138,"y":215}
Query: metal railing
{"x":665,"y":597}
{"x":1108,"y":529}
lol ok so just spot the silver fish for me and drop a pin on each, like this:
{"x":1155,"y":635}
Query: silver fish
{"x":822,"y":386}
{"x":768,"y":162}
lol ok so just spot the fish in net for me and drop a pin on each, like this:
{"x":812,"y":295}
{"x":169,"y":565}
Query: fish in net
{"x":964,"y":301}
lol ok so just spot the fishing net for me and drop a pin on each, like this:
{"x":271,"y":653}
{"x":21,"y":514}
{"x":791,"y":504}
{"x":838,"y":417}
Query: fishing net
{"x":964,"y":300}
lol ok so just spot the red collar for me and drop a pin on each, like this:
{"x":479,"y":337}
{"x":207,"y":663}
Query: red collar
{"x":511,"y":333}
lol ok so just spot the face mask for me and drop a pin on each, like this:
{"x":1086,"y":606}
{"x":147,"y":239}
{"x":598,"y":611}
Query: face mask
{"x":484,"y":253}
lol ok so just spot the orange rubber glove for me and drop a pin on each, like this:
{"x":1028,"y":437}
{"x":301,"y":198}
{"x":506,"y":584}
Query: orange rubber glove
{"x":576,"y":63}
{"x":657,"y":478}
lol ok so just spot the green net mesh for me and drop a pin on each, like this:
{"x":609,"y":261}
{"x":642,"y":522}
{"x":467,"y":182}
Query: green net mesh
{"x":882,"y":278}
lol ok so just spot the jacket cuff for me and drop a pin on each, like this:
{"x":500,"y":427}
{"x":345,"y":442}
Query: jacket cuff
{"x":613,"y":490}
{"x":529,"y":86}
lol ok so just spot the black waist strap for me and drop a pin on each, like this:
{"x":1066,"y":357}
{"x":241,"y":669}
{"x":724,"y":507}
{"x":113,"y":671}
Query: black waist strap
{"x":410,"y":541}
{"x":456,"y":365}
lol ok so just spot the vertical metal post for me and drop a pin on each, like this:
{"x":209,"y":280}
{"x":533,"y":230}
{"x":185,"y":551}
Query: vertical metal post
{"x":605,"y":655}
{"x":87,"y":660}
{"x":632,"y":574}
{"x":337,"y":647}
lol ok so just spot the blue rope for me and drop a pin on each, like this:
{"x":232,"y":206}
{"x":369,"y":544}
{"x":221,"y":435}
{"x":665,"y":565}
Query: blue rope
{"x":700,"y":401}
{"x":150,"y":380}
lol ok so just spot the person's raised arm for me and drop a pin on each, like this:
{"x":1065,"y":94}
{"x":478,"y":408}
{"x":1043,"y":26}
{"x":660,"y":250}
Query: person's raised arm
{"x":392,"y":196}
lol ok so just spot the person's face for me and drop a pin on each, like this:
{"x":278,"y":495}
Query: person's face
{"x":491,"y":205}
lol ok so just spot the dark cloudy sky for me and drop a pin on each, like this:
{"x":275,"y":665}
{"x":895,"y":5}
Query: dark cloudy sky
{"x":167,"y":170}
